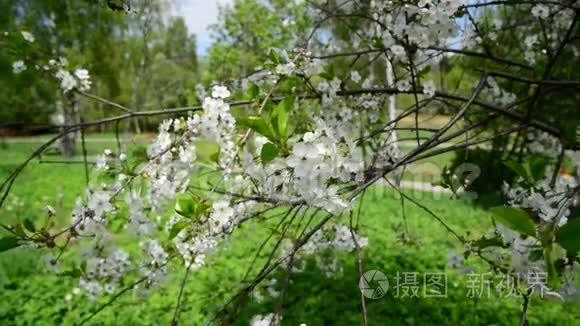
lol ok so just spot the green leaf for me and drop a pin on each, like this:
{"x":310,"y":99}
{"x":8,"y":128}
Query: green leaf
{"x":19,"y":231}
{"x":140,"y":153}
{"x":215,"y":157}
{"x":287,"y":103}
{"x":523,"y":170}
{"x":484,"y":242}
{"x":328,"y":73}
{"x":253,"y":91}
{"x":282,"y":116}
{"x":292,"y":81}
{"x":29,"y":225}
{"x":269,"y":152}
{"x":176,"y":228}
{"x":274,"y":56}
{"x":538,"y":167}
{"x":259,"y":125}
{"x":185,"y":205}
{"x":74,"y":273}
{"x":568,"y":236}
{"x":569,"y":131}
{"x":207,"y":151}
{"x":425,"y":71}
{"x":138,"y":156}
{"x":8,"y":243}
{"x":190,"y":207}
{"x":550,"y":266}
{"x":378,"y":43}
{"x":201,"y":208}
{"x":516,"y":219}
{"x":536,"y":254}
{"x":283,"y":124}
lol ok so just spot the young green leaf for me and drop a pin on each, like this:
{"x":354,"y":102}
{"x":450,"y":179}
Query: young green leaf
{"x":269,"y":152}
{"x":522,"y":170}
{"x":328,"y":73}
{"x":190,"y":207}
{"x":185,"y":206}
{"x":378,"y":43}
{"x":257,"y":124}
{"x":8,"y":243}
{"x":484,"y":242}
{"x":292,"y":81}
{"x":550,"y":266}
{"x":538,"y":167}
{"x":29,"y":225}
{"x":282,"y":116}
{"x":569,"y":130}
{"x":253,"y":91}
{"x":138,"y":157}
{"x":568,"y":236}
{"x":207,"y":151}
{"x":274,"y":56}
{"x":18,"y":230}
{"x":283,"y":124}
{"x":176,"y":228}
{"x":73,"y":273}
{"x":215,"y":157}
{"x":516,"y":219}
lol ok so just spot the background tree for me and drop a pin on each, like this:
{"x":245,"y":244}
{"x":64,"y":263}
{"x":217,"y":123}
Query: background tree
{"x":241,"y":40}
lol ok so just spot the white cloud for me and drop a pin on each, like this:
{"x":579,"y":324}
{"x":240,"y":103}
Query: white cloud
{"x":198,"y":15}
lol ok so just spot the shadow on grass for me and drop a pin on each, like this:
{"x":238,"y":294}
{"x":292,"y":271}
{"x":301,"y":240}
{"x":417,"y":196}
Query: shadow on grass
{"x":314,"y":299}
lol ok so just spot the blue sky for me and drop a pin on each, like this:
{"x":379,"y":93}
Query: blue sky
{"x":199,"y":14}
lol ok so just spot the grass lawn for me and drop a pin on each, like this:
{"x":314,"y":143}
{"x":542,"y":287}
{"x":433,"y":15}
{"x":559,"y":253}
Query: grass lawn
{"x":32,"y":296}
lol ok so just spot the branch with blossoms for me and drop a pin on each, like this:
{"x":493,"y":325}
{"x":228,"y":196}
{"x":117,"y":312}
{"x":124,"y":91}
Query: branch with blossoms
{"x":301,"y":137}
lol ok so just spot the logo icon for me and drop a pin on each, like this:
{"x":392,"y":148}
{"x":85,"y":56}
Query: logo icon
{"x":373,"y":284}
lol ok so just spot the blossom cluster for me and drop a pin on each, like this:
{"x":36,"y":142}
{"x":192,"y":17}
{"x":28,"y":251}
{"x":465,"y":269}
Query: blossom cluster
{"x":306,"y":174}
{"x":549,"y":201}
{"x":104,"y":273}
{"x":78,"y":78}
{"x":498,"y":95}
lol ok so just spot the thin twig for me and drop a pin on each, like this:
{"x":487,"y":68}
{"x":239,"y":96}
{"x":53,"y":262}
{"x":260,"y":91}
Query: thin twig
{"x":175,"y":318}
{"x":359,"y":259}
{"x":525,"y":305}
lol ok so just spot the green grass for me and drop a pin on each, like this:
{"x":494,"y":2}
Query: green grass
{"x":42,"y":183}
{"x":32,"y":296}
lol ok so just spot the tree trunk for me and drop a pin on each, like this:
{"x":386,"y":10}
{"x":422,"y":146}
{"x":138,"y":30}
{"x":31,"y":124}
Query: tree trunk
{"x":392,"y":108}
{"x":68,"y":141}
